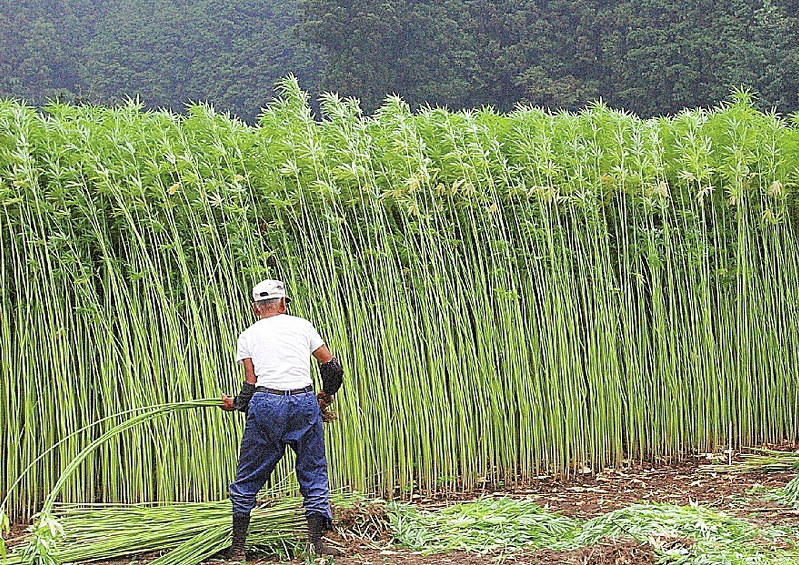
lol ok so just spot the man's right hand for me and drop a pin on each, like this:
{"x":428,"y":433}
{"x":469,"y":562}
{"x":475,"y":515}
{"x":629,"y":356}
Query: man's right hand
{"x":325,"y":399}
{"x":227,"y":403}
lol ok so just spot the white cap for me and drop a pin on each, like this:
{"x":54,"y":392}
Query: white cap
{"x":269,"y":289}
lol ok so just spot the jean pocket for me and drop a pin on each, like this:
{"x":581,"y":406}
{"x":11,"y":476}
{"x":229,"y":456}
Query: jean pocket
{"x":262,"y":405}
{"x":312,"y":411}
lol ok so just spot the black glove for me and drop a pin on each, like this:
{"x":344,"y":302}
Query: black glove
{"x":242,"y":400}
{"x":332,"y":376}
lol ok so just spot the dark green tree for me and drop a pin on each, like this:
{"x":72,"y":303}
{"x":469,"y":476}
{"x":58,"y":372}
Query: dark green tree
{"x":428,"y":52}
{"x":39,"y":45}
{"x":169,"y":52}
{"x":649,"y":56}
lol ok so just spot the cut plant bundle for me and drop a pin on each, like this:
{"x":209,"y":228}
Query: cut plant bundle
{"x":509,"y":294}
{"x":193,"y":531}
{"x":763,"y":460}
{"x":489,"y":525}
{"x":185,"y":533}
{"x":188,"y":533}
{"x":788,"y":495}
{"x":689,"y":535}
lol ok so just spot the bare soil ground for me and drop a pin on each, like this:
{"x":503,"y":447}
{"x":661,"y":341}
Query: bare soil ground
{"x":678,"y":483}
{"x":611,"y":553}
{"x":583,"y":496}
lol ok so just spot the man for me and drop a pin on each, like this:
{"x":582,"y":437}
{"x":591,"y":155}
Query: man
{"x":281,"y":408}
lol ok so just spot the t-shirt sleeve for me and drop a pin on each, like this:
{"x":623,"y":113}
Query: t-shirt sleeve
{"x":242,"y":349}
{"x":314,"y":339}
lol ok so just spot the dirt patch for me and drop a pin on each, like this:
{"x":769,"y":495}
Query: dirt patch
{"x":405,"y":557}
{"x":15,"y":536}
{"x":681,"y":483}
{"x":615,"y":552}
{"x":363,"y":525}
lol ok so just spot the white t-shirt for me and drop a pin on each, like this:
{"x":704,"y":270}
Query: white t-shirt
{"x":280,"y":348}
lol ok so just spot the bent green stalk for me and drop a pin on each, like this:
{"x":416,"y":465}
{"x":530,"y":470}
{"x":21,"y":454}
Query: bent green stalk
{"x":46,"y":529}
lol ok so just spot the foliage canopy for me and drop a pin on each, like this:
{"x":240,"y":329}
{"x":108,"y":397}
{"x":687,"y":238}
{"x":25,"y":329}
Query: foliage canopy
{"x":652,"y":57}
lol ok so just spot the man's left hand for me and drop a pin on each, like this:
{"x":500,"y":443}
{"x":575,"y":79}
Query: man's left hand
{"x":227,"y":403}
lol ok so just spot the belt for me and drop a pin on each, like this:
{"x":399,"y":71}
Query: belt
{"x":308,"y":388}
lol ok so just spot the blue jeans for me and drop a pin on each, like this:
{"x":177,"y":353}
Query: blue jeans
{"x":274,"y":421}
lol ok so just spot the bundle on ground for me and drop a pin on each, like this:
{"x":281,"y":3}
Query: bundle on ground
{"x":188,"y":532}
{"x":762,"y":460}
{"x":686,"y":535}
{"x":486,"y":526}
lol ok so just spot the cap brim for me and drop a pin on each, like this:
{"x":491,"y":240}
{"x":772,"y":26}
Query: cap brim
{"x":271,"y":298}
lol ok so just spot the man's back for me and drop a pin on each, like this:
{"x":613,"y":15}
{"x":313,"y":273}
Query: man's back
{"x":280,"y":348}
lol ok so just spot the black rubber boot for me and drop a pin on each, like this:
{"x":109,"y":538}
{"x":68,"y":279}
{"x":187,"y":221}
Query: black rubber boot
{"x":318,"y":524}
{"x":240,"y":524}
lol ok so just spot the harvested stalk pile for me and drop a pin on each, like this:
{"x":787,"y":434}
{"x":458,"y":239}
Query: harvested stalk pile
{"x":688,"y":535}
{"x":764,"y":460}
{"x":47,"y":529}
{"x":66,"y":533}
{"x":189,"y":532}
{"x":486,"y":526}
{"x":193,"y":532}
{"x":788,"y":495}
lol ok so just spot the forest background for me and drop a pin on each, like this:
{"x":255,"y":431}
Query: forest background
{"x":651,"y":57}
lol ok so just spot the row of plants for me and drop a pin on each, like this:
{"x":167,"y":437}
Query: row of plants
{"x":510,"y":294}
